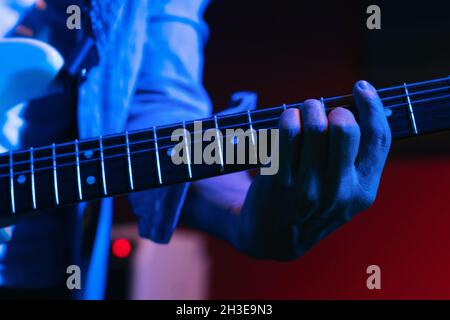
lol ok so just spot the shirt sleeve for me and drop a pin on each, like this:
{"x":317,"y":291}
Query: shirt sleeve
{"x":169,"y":90}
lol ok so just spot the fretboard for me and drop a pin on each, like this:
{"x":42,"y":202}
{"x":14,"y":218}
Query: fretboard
{"x":62,"y":174}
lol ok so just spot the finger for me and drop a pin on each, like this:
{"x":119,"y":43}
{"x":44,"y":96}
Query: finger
{"x":344,"y":137}
{"x":313,"y":149}
{"x":290,"y":125}
{"x":375,"y":133}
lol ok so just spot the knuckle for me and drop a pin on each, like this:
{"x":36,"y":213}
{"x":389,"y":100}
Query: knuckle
{"x":345,"y":218}
{"x":350,"y":132}
{"x":314,"y":118}
{"x":366,"y":200}
{"x":371,"y":98}
{"x":316,"y":128}
{"x":343,"y":199}
{"x":381,"y":136}
{"x":311,"y":201}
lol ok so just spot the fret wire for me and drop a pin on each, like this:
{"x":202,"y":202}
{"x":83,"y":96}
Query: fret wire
{"x":415,"y":93}
{"x":188,"y":155}
{"x":411,"y":111}
{"x":158,"y":164}
{"x":258,"y":112}
{"x":33,"y":189}
{"x":219,"y":140}
{"x":399,"y":130}
{"x":271,"y":110}
{"x":412,"y":85}
{"x":11,"y":182}
{"x":102,"y":166}
{"x":284,"y":107}
{"x":384,"y":90}
{"x":276,"y":118}
{"x":266,"y":120}
{"x":268,"y":128}
{"x":55,"y":175}
{"x":77,"y":162}
{"x":252,"y":131}
{"x":403,"y":104}
{"x":130,"y":169}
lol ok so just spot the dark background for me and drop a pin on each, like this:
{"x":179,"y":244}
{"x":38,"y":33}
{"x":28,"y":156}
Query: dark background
{"x":288,"y":51}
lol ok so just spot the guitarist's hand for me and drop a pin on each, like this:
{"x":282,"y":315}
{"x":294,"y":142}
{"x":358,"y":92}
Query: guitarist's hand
{"x":330,"y":169}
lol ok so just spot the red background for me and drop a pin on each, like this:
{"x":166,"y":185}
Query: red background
{"x":287,"y":52}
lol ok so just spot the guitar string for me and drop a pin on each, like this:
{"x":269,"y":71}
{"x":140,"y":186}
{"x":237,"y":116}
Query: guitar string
{"x":260,"y":111}
{"x":255,"y":114}
{"x":415,"y":84}
{"x":168,"y":137}
{"x":151,"y":149}
{"x":416,"y":93}
{"x":383,"y":90}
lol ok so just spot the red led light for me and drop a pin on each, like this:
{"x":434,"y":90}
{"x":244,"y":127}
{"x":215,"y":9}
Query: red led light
{"x":121,"y":248}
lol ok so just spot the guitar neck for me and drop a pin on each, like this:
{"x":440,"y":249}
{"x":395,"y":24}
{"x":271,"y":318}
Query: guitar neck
{"x":62,"y":174}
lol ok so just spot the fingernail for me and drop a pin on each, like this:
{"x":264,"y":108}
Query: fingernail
{"x":364,"y":85}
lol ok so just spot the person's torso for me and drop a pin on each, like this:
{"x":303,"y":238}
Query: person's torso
{"x":41,"y":246}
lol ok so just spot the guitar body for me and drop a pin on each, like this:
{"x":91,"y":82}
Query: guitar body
{"x":28,"y":68}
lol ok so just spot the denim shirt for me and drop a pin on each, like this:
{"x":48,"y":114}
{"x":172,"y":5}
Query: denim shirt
{"x":151,"y":54}
{"x":164,"y":42}
{"x":150,"y":73}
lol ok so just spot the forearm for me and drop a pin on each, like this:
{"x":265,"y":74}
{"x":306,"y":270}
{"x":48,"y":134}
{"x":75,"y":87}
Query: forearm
{"x":213,"y":205}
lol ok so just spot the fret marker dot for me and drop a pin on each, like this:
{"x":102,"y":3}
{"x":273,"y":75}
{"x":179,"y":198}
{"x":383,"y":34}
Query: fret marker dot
{"x":88,"y":154}
{"x":90,"y":180}
{"x":170,"y":152}
{"x":21,"y":179}
{"x":235,"y":140}
{"x":387,"y":112}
